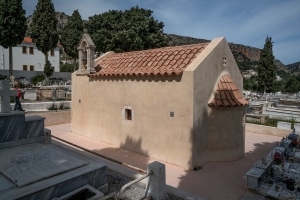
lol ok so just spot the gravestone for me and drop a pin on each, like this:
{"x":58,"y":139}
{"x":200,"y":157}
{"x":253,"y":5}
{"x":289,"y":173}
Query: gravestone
{"x":53,"y":94}
{"x":68,"y":95}
{"x":297,"y":127}
{"x":284,"y":125}
{"x":30,"y":95}
{"x":5,"y":94}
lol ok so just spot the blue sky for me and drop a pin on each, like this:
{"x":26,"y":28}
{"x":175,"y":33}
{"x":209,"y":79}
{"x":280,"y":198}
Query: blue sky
{"x":240,"y":21}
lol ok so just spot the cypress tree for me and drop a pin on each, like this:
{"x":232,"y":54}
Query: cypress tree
{"x":266,"y":66}
{"x":12,"y":26}
{"x":44,"y":32}
{"x":48,"y":71}
{"x":71,"y":35}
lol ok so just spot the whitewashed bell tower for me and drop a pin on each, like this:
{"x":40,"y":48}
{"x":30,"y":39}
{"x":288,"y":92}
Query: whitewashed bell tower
{"x":86,"y":52}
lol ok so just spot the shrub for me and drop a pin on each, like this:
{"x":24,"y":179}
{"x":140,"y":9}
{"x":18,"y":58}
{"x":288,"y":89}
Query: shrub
{"x":61,"y":106}
{"x":38,"y":77}
{"x":3,"y":77}
{"x":52,"y":107}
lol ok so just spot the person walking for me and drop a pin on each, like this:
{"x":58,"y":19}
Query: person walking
{"x":18,"y":105}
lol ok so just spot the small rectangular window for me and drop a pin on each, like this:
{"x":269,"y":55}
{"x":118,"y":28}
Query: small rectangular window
{"x":53,"y":68}
{"x":24,"y":67}
{"x":24,"y":50}
{"x":52,"y":52}
{"x":128,"y":114}
{"x":31,"y":50}
{"x":31,"y":68}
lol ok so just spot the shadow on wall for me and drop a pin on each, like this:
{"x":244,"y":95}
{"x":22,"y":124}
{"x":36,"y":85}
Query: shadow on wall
{"x":224,"y":180}
{"x":127,"y":156}
{"x":160,"y":78}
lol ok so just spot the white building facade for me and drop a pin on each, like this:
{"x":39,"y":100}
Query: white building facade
{"x":26,"y":57}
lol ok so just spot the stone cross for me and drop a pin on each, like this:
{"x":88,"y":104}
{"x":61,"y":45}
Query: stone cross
{"x":5,"y":94}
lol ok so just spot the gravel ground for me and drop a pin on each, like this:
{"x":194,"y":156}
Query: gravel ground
{"x":134,"y":192}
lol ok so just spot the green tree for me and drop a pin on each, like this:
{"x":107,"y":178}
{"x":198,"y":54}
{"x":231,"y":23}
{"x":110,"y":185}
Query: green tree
{"x":71,"y":35}
{"x":291,"y":85}
{"x":278,"y":86}
{"x":44,"y":32}
{"x":247,"y":84}
{"x":266,"y":66}
{"x":119,"y":31}
{"x":48,"y":71}
{"x":68,"y":67}
{"x":13,"y":26}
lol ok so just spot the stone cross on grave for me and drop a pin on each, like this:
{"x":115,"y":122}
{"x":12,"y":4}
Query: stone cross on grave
{"x":5,"y":94}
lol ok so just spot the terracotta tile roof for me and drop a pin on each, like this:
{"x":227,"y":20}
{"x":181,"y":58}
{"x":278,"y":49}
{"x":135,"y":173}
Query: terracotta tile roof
{"x":27,"y":39}
{"x":227,"y":94}
{"x":167,"y":60}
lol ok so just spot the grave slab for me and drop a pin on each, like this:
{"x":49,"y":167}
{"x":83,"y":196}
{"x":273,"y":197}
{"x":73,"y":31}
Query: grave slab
{"x":284,"y":125}
{"x":45,"y":171}
{"x":32,"y":162}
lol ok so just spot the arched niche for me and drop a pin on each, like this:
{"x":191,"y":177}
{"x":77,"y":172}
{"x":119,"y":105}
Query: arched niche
{"x":86,"y":52}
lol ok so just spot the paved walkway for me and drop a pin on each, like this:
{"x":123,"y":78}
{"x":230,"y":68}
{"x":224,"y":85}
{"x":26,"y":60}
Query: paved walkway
{"x":216,"y":180}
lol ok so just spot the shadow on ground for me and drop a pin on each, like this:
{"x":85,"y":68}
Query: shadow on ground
{"x":224,"y":180}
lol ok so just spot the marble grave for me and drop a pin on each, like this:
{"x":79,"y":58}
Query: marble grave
{"x":284,"y":125}
{"x":31,"y":167}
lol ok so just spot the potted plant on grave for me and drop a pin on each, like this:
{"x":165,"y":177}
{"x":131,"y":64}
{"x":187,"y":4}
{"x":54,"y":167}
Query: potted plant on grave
{"x":278,"y":164}
{"x":278,"y":158}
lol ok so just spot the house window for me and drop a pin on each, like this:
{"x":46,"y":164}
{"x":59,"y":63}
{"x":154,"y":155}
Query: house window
{"x":24,"y":67}
{"x":53,"y":69}
{"x":31,"y":68}
{"x":24,"y":50}
{"x":31,"y":50}
{"x":52,"y":53}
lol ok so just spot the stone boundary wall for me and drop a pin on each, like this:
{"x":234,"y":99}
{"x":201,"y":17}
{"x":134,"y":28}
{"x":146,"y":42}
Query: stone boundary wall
{"x":52,"y":117}
{"x":267,"y":130}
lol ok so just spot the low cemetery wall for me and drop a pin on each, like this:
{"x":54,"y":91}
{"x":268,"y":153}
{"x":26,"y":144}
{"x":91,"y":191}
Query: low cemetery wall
{"x":29,"y":74}
{"x":54,"y":118}
{"x":43,"y":106}
{"x":48,"y":94}
{"x":267,"y":130}
{"x":256,"y":118}
{"x":289,"y":102}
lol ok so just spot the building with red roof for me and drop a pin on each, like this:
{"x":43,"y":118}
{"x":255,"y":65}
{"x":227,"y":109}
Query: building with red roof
{"x":26,"y":57}
{"x":180,"y":104}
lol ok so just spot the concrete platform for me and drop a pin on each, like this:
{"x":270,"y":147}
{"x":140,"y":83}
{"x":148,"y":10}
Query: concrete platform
{"x":216,"y":180}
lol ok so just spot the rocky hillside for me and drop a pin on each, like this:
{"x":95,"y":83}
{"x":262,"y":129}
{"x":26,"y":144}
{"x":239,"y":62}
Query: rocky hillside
{"x":246,"y":57}
{"x":61,"y":17}
{"x":294,"y":68}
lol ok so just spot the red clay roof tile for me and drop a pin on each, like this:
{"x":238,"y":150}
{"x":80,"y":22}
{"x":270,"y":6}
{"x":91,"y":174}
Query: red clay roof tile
{"x":227,"y":94}
{"x":168,"y":60}
{"x":27,"y":39}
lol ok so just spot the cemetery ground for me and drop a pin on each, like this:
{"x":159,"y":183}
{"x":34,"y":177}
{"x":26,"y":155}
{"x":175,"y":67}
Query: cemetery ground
{"x":216,"y":180}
